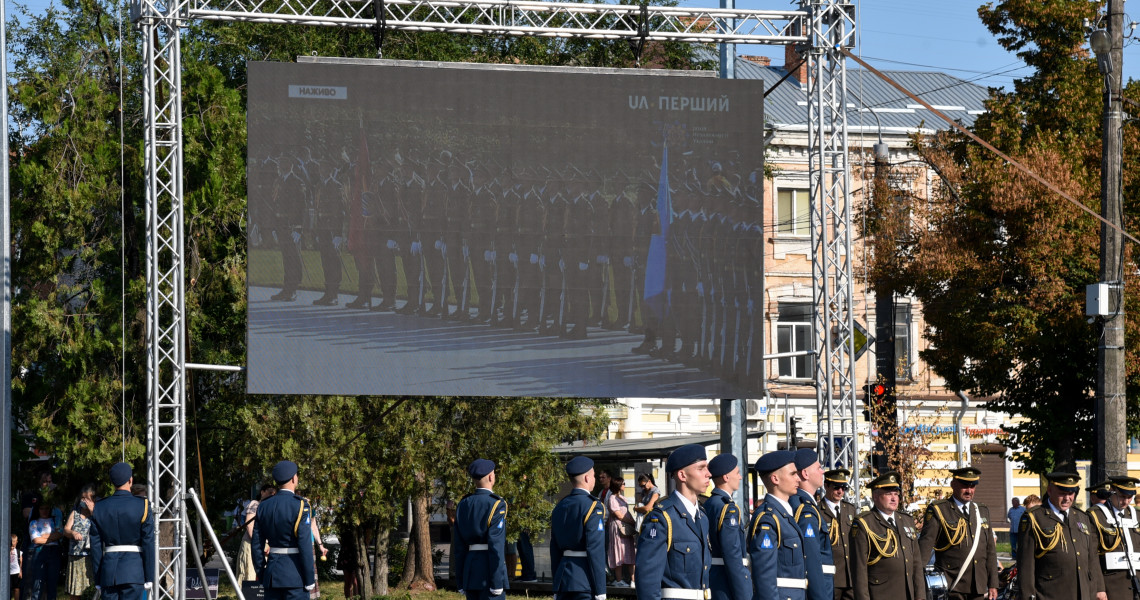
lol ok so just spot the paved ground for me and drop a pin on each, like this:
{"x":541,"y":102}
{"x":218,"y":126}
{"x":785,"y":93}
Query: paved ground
{"x":298,"y":348}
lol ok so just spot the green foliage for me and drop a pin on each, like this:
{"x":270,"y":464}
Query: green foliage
{"x":999,"y":262}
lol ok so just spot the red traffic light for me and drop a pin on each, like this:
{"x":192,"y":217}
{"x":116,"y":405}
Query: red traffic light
{"x":879,"y":389}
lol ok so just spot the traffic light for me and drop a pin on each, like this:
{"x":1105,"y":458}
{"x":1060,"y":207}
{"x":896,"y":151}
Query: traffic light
{"x":793,"y":433}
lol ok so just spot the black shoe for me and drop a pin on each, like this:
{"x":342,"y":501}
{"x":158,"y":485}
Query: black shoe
{"x":360,"y":303}
{"x":646,"y":347}
{"x":327,"y":300}
{"x":384,"y":306}
{"x":578,"y":333}
{"x":284,"y":296}
{"x":409,"y":308}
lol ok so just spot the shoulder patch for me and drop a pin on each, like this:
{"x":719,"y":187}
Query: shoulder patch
{"x":766,"y":543}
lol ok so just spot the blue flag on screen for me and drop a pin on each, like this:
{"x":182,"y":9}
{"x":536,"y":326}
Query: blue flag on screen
{"x":656,"y":298}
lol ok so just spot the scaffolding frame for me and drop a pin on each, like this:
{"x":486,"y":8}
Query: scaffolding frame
{"x":821,"y":27}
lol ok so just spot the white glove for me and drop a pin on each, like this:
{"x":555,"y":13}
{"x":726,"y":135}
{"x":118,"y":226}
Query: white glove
{"x":496,"y":592}
{"x":309,"y":588}
{"x":416,"y":247}
{"x":296,"y":237}
{"x":700,"y":289}
{"x":489,"y":255}
{"x":439,"y":244}
{"x":338,"y":242}
{"x":583,"y":266}
{"x":392,"y":245}
{"x":603,"y":259}
{"x":514,"y":258}
{"x":274,"y":232}
{"x":533,"y":259}
{"x":600,"y":597}
{"x":627,"y":261}
{"x":148,"y":586}
{"x":462,"y":593}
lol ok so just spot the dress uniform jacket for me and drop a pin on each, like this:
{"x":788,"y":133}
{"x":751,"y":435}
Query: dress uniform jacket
{"x":1055,"y":560}
{"x":1110,"y":539}
{"x":282,"y":522}
{"x":730,"y":576}
{"x":480,"y":539}
{"x":949,"y":533}
{"x":673,"y":557}
{"x":578,"y":545}
{"x":839,"y":532}
{"x":885,"y":561}
{"x":122,"y":542}
{"x":817,"y":546}
{"x":776,"y":549}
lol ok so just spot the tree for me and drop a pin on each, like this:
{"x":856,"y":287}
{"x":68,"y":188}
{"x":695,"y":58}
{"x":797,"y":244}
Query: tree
{"x":998,"y":261}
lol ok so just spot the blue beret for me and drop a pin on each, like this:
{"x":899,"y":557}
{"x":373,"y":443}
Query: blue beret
{"x":684,"y":456}
{"x":480,"y":467}
{"x":805,"y":457}
{"x":120,"y":473}
{"x":722,"y":464}
{"x":579,"y":465}
{"x":284,"y":471}
{"x":774,"y":460}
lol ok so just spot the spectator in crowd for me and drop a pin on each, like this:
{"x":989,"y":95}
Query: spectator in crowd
{"x":1030,"y":501}
{"x":603,"y":485}
{"x":620,"y":532}
{"x":649,"y":494}
{"x":1014,"y":516}
{"x":316,"y":535}
{"x":15,"y":567}
{"x":43,"y":576}
{"x":245,"y":557}
{"x":77,"y":529}
{"x":346,"y":561}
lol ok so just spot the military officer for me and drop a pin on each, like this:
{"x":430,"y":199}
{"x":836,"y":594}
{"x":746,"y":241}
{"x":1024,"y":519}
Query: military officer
{"x":730,"y":576}
{"x":480,"y":536}
{"x":122,"y":540}
{"x":673,"y":557}
{"x":282,"y":522}
{"x":1101,"y":492}
{"x":885,"y":561}
{"x":817,"y":546}
{"x":1118,"y":539}
{"x":775,"y":542}
{"x":1056,"y":558}
{"x":839,"y":514}
{"x":578,"y":537}
{"x":957,"y":530}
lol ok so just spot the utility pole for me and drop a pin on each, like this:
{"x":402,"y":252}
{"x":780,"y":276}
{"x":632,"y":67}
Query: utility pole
{"x":1111,"y":457}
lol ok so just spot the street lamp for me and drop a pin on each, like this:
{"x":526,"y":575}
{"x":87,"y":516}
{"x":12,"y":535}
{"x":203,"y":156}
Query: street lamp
{"x":1101,"y":44}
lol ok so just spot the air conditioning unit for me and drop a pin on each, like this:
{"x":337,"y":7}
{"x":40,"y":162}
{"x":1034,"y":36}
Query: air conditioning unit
{"x":755,"y":410}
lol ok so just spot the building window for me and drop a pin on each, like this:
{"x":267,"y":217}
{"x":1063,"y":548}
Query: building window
{"x":793,"y":213}
{"x":903,"y":370}
{"x":793,"y":334}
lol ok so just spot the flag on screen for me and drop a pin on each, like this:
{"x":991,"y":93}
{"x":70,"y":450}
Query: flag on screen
{"x":656,"y":297}
{"x":360,"y":181}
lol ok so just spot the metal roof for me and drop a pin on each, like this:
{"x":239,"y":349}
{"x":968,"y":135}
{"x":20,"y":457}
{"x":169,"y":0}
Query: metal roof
{"x":786,"y":106}
{"x":638,"y":449}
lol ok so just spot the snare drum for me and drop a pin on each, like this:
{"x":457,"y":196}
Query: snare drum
{"x":937,"y":585}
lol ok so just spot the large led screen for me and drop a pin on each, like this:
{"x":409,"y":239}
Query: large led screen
{"x":439,"y":230}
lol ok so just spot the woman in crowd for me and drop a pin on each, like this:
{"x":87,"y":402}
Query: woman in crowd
{"x":649,"y":496}
{"x":78,"y":555}
{"x":620,"y":532}
{"x":43,"y":576}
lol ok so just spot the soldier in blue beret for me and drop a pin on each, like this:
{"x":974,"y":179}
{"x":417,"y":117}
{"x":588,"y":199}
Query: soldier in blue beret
{"x":282,"y":522}
{"x":775,"y":542}
{"x":673,"y":556}
{"x":730,"y":578}
{"x":578,"y":538}
{"x":480,"y":536}
{"x":122,"y":540}
{"x":817,"y":541}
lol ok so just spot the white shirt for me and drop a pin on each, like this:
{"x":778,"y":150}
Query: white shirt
{"x":833,"y":506}
{"x":784,"y":503}
{"x":690,"y":507}
{"x":889,"y":518}
{"x":1060,"y":515}
{"x":960,"y":506}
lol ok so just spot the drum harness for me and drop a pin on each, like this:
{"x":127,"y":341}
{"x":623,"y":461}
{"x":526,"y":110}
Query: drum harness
{"x":954,"y":537}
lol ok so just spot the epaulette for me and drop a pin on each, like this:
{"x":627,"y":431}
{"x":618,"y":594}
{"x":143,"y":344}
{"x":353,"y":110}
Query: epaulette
{"x":661,"y":505}
{"x":495,"y":496}
{"x":465,"y":496}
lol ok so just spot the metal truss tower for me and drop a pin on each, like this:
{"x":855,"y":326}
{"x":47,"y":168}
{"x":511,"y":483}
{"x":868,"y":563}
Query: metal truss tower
{"x":821,"y":25}
{"x":831,"y":29}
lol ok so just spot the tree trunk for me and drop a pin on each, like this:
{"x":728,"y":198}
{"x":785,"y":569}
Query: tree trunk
{"x":425,"y":571}
{"x":363,"y":569}
{"x":380,"y":574}
{"x":409,"y":562}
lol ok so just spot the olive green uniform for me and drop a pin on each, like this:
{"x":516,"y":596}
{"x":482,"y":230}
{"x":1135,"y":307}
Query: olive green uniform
{"x":949,"y":533}
{"x":1057,"y":560}
{"x":884,"y":560}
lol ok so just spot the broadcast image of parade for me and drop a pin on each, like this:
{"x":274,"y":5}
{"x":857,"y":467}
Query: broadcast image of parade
{"x":427,"y":230}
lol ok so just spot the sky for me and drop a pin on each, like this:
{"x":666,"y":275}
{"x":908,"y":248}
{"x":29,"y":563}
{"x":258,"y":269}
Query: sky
{"x":941,"y":35}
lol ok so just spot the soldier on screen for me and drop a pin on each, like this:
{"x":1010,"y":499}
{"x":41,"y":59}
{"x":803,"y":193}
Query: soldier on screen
{"x":290,"y":204}
{"x":387,"y":246}
{"x":553,"y":259}
{"x":432,"y":225}
{"x":647,"y":225}
{"x":328,"y":228}
{"x":596,"y":246}
{"x":576,"y":264}
{"x":622,"y":257}
{"x":457,"y":205}
{"x":506,"y":242}
{"x":410,"y":214}
{"x":532,"y":223}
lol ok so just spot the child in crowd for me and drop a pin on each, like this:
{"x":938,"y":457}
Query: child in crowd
{"x":15,"y":567}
